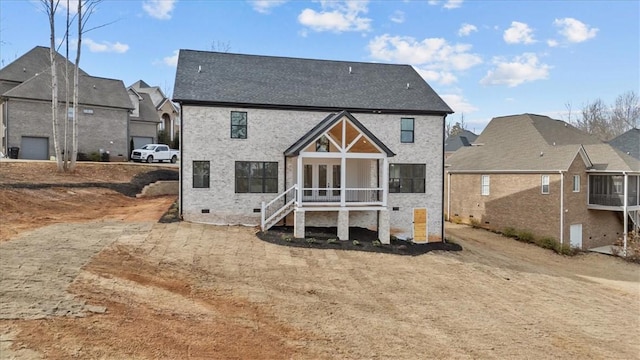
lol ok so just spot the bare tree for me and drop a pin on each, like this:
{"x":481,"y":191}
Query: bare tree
{"x":626,"y":112}
{"x":608,"y":122}
{"x":50,"y":7}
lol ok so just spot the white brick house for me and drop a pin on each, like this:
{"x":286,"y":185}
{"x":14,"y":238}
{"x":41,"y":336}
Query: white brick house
{"x":310,"y":143}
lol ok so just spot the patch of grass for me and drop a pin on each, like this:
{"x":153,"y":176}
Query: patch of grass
{"x":525,"y":236}
{"x":376,"y":243}
{"x":310,"y":240}
{"x":509,"y":232}
{"x":332,"y":241}
{"x":475,"y":223}
{"x":356,"y":243}
{"x":566,"y":250}
{"x":456,"y":219}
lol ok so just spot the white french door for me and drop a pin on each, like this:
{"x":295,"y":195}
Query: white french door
{"x":321,"y":180}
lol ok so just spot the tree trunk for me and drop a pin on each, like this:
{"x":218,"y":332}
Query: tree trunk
{"x":76,"y":80}
{"x":51,"y":10}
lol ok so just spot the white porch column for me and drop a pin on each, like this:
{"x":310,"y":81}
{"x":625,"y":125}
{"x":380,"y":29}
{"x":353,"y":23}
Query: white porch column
{"x":299,"y":172}
{"x":385,"y":180}
{"x":343,"y":224}
{"x":343,"y":180}
{"x":298,"y":224}
{"x":383,"y":227}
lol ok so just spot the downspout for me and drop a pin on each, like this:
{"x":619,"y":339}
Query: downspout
{"x":449,"y":196}
{"x":444,"y":123}
{"x":561,"y":208}
{"x":180,"y":208}
{"x":625,"y":208}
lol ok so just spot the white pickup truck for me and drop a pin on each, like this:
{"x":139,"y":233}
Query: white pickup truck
{"x":155,"y":152}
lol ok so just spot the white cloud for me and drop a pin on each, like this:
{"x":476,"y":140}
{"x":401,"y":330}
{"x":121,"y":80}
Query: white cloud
{"x":458,"y":103}
{"x":397,"y":17}
{"x":518,"y":33}
{"x":447,"y":4}
{"x":523,"y":68}
{"x":552,"y":43}
{"x":434,"y":58}
{"x":265,"y":6}
{"x":466,"y":29}
{"x":159,"y":9}
{"x":73,"y":6}
{"x":337,"y":16}
{"x":171,"y":60}
{"x":574,"y":30}
{"x":106,"y":46}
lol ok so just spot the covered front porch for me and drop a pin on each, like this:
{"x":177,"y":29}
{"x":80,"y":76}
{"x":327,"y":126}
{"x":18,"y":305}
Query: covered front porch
{"x":338,"y":167}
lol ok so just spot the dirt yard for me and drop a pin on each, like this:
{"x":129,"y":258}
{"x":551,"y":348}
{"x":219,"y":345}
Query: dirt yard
{"x":94,"y":275}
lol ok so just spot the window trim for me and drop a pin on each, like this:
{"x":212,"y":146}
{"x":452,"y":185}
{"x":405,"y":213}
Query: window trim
{"x":413,"y":179}
{"x":249,"y":178}
{"x":245,"y":126}
{"x":486,"y":186}
{"x":576,"y":184}
{"x":412,"y":131}
{"x":208,"y":175}
{"x":545,"y":183}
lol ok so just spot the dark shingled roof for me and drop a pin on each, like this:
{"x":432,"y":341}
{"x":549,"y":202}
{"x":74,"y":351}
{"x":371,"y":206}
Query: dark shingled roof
{"x":93,"y":91}
{"x":464,"y":138}
{"x":253,"y":80}
{"x":628,"y":143}
{"x":530,"y":142}
{"x":33,"y":62}
{"x":146,"y":110}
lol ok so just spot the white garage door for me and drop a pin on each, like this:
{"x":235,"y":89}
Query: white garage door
{"x":140,"y":141}
{"x":34,"y":148}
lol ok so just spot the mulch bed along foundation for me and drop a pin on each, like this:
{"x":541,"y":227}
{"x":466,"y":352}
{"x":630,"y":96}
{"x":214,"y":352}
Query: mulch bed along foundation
{"x":360,"y":239}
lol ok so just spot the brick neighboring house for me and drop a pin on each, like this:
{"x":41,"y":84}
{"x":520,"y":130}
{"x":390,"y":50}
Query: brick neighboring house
{"x":544,"y":175}
{"x":311,"y":143}
{"x":25,"y":108}
{"x":167,"y":112}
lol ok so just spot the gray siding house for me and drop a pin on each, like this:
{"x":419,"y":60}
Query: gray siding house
{"x":25,"y":108}
{"x":310,"y":143}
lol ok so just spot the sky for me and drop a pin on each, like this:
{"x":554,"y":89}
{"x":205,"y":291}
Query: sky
{"x":485,"y":58}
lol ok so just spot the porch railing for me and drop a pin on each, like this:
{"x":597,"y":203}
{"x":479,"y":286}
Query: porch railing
{"x":333,"y":195}
{"x":612,"y":200}
{"x":278,"y":208}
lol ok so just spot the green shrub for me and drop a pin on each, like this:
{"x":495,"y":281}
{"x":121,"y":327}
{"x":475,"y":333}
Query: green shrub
{"x":376,"y":243}
{"x":475,"y":223}
{"x":94,"y":156}
{"x":509,"y":232}
{"x":456,"y":220}
{"x":331,"y":241}
{"x":524,"y":236}
{"x":547,"y":242}
{"x":566,"y":249}
{"x":356,"y":242}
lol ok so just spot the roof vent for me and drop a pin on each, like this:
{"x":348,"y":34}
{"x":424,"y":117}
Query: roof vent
{"x":408,"y":85}
{"x":349,"y":69}
{"x":24,"y":69}
{"x":541,"y":153}
{"x":199,"y":69}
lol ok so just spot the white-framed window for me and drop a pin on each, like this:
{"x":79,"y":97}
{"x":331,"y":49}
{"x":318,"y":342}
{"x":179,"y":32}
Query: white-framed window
{"x":70,"y":113}
{"x":545,"y":184}
{"x":485,"y":185}
{"x":576,"y":183}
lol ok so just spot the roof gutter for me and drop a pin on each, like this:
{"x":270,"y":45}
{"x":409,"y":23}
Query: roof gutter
{"x":504,"y":171}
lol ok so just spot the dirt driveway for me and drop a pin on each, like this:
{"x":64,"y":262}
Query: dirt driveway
{"x":121,"y":286}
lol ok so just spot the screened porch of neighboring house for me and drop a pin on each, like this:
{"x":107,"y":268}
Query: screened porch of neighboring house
{"x":608,"y":191}
{"x":339,"y":165}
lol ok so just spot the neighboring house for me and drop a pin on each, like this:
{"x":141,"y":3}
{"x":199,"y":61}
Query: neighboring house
{"x":25,"y":108}
{"x":313,"y":142}
{"x":628,"y":143}
{"x":531,"y":172}
{"x":143,"y":121}
{"x":167,"y":112}
{"x":455,"y":142}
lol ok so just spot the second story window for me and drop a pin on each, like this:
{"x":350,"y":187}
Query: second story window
{"x":406,"y":130}
{"x":545,"y":184}
{"x":238,"y":125}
